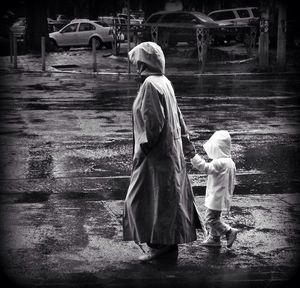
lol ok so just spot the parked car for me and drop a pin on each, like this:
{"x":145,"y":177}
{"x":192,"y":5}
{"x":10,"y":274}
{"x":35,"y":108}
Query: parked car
{"x":235,"y":19}
{"x":236,"y":16}
{"x":175,"y":20}
{"x":80,"y":32}
{"x":133,"y":20}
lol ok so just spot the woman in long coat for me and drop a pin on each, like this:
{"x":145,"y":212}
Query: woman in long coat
{"x":159,"y":208}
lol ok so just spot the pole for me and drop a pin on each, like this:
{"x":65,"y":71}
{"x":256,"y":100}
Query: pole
{"x":43,"y":48}
{"x":11,"y":49}
{"x":94,"y":55}
{"x":281,"y":35}
{"x":128,"y":33}
{"x":115,"y":38}
{"x":263,"y":44}
{"x":15,"y":51}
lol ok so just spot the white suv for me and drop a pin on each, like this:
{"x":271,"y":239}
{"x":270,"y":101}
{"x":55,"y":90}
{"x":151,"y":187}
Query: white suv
{"x":236,"y":16}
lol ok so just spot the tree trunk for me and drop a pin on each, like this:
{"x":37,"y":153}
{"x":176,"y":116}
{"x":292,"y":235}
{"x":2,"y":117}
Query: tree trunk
{"x":37,"y":25}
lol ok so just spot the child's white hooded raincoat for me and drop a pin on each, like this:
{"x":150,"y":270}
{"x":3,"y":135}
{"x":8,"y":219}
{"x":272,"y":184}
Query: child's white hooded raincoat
{"x":221,"y":171}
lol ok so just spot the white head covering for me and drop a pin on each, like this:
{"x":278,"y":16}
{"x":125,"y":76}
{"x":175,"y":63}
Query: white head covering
{"x":218,"y":145}
{"x":150,"y":54}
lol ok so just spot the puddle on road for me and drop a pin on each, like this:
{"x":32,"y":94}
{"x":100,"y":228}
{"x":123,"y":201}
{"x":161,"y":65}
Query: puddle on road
{"x":66,"y":66}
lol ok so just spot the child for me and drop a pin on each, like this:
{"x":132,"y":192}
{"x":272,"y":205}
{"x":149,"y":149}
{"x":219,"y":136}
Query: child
{"x":219,"y":187}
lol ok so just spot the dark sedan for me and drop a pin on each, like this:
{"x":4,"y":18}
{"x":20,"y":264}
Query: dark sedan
{"x":178,"y":26}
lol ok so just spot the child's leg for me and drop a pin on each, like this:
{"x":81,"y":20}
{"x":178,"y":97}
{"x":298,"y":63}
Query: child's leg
{"x":214,"y":222}
{"x":213,"y":239}
{"x":207,"y":222}
{"x":217,"y":228}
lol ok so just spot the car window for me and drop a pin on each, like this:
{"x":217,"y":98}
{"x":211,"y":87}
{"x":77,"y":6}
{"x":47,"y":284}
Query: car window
{"x":70,"y":28}
{"x":243,"y":13}
{"x":222,"y":15}
{"x":154,"y":18}
{"x":86,"y":27}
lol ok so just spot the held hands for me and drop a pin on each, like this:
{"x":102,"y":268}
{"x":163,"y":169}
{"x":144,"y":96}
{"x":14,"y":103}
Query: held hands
{"x":196,"y":159}
{"x":189,"y":150}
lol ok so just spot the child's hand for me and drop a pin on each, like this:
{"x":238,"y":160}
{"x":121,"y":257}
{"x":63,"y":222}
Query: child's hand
{"x":195,"y":159}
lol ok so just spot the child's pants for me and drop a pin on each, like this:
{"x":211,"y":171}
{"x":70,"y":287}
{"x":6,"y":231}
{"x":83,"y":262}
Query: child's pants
{"x":215,"y":227}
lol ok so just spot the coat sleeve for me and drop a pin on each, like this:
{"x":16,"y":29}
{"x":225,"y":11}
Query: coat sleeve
{"x":188,"y":147}
{"x":153,"y":115}
{"x":213,"y":167}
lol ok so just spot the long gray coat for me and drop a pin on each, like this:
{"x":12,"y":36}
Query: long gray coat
{"x":159,"y":207}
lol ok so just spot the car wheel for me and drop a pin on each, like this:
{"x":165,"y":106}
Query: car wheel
{"x":98,"y":43}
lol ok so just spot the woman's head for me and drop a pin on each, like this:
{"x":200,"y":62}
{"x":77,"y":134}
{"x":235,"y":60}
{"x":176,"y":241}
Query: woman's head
{"x":149,"y":58}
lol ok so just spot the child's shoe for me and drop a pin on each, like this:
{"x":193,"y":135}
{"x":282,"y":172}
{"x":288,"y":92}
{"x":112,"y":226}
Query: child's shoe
{"x":231,"y":236}
{"x":212,"y":242}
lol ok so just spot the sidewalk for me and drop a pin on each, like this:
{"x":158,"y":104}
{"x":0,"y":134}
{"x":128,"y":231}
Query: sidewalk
{"x":71,"y":246}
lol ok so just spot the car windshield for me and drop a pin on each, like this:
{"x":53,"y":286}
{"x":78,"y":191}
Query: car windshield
{"x":204,"y":18}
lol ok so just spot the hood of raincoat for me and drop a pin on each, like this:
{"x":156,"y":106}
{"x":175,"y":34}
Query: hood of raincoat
{"x":218,"y":145}
{"x":149,"y":58}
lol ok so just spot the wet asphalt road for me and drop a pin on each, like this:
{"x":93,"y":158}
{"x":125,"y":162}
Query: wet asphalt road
{"x":66,"y":145}
{"x":71,"y":134}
